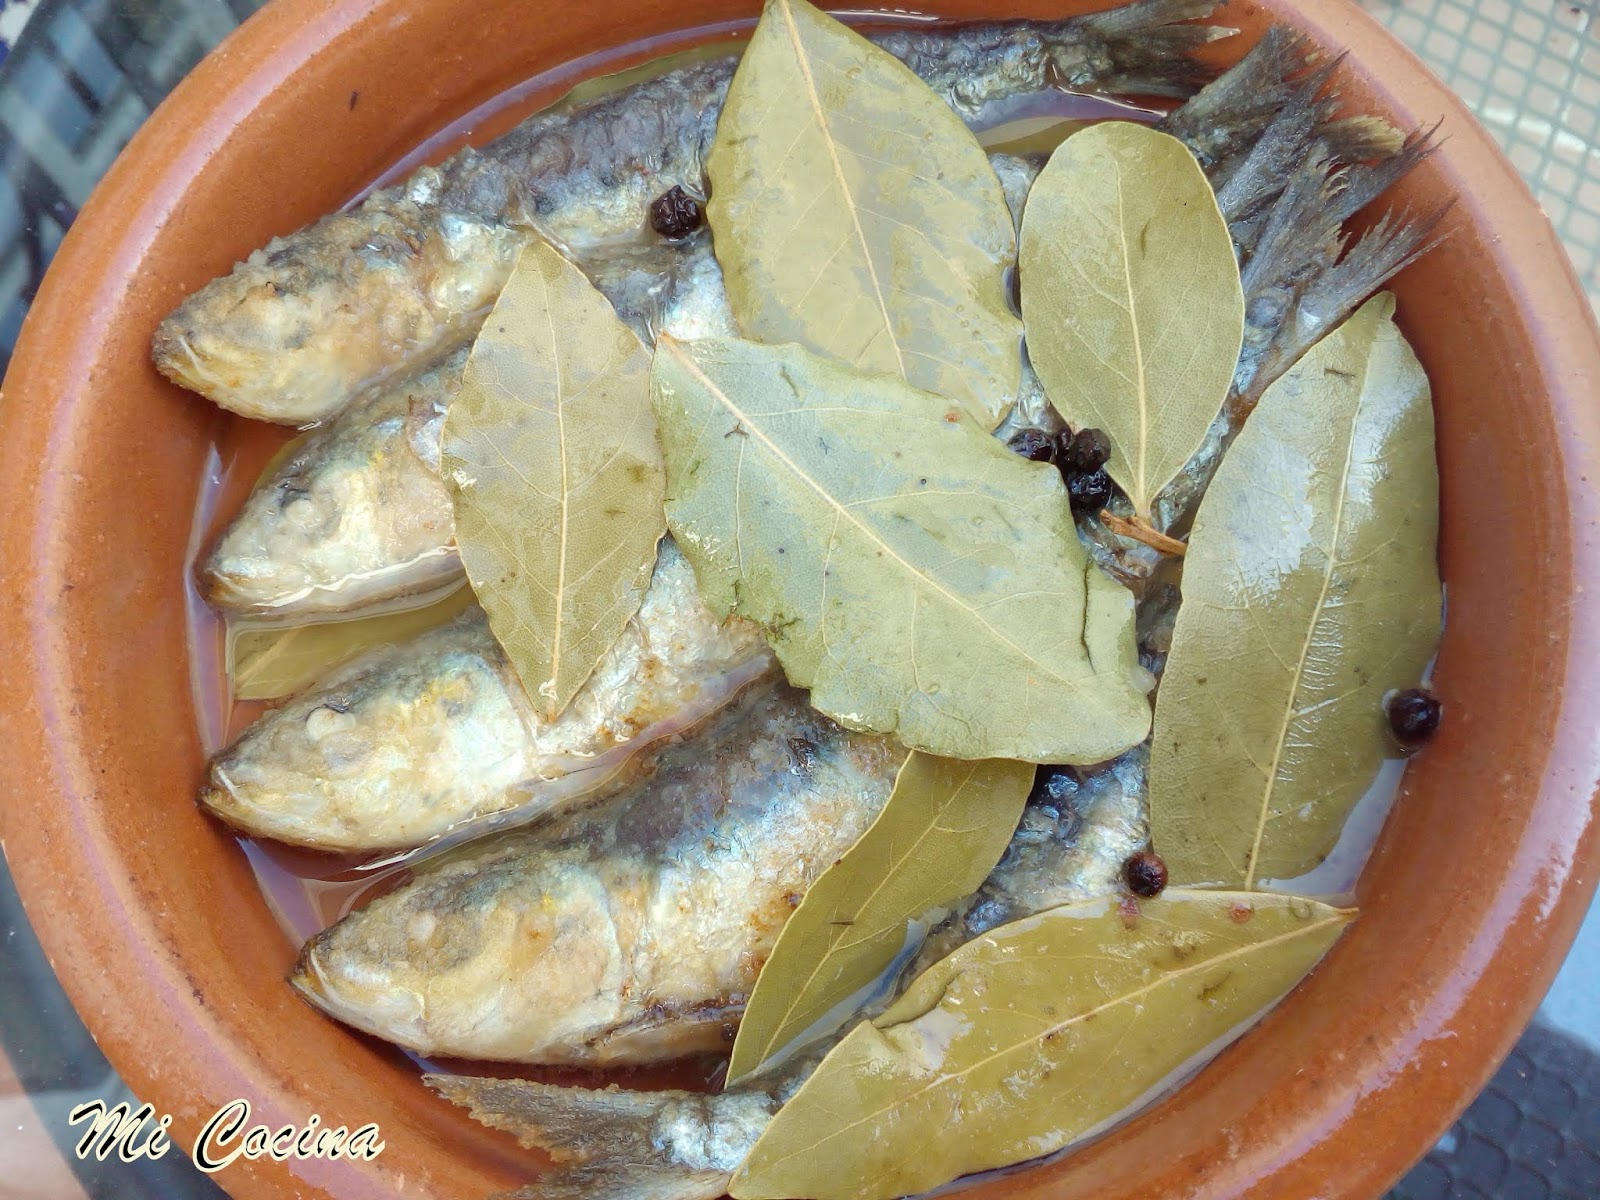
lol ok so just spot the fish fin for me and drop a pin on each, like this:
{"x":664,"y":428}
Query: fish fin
{"x":623,"y":1182}
{"x":1300,"y":237}
{"x":615,"y":1144}
{"x":1300,"y":280}
{"x":1382,"y":252}
{"x":1225,"y":117}
{"x":1329,"y":292}
{"x":1148,"y":44}
{"x":1288,"y":174}
{"x":569,"y":1124}
{"x":1365,"y":182}
{"x":1248,"y":181}
{"x":670,"y":1031}
{"x":1362,"y":138}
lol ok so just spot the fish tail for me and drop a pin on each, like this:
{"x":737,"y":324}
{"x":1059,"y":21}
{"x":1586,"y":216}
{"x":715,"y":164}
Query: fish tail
{"x":1288,"y":173}
{"x":1224,"y":118}
{"x":1367,"y":180}
{"x":1382,"y":252}
{"x":571,"y":1125}
{"x":1144,"y":48}
{"x":615,"y":1144}
{"x":1303,"y":276}
{"x":1362,"y":138}
{"x":1246,"y":182}
{"x":1299,"y":238}
{"x":1306,"y":299}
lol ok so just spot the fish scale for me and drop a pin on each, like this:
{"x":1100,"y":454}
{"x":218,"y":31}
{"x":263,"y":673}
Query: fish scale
{"x":614,"y":1144}
{"x":1290,"y":185}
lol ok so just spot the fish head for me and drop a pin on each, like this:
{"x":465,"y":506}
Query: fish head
{"x":345,"y":533}
{"x":256,"y":341}
{"x":403,"y":740}
{"x":304,"y":326}
{"x":267,"y":560}
{"x":350,"y":514}
{"x":427,"y":966}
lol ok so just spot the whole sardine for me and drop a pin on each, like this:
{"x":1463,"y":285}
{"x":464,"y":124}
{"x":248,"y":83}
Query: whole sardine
{"x":630,"y":932}
{"x":302,"y":326}
{"x":359,"y":513}
{"x":409,"y":741}
{"x":614,"y":1144}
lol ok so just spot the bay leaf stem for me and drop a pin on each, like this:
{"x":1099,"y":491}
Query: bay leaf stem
{"x":1140,"y":530}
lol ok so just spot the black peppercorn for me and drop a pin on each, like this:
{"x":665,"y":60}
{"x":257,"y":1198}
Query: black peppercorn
{"x":676,"y":214}
{"x":1085,"y":451}
{"x":1145,"y":874}
{"x":1089,"y":492}
{"x":1414,"y":716}
{"x":1034,"y":445}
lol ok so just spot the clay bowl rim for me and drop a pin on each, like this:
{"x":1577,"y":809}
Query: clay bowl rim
{"x":1547,"y":873}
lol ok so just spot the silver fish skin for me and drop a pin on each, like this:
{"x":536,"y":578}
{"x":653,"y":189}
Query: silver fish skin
{"x":359,"y":513}
{"x":306,"y":323}
{"x":627,"y":933}
{"x":613,"y":1144}
{"x":1069,"y":847}
{"x":411,"y":741}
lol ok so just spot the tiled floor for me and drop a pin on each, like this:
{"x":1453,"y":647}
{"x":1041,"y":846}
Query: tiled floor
{"x":1530,"y":70}
{"x":14,"y":15}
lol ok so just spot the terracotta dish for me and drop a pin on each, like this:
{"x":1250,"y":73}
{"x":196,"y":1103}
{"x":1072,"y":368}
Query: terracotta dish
{"x":151,"y":916}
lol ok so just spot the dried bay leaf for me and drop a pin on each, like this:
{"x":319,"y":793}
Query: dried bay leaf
{"x":265,"y":662}
{"x":1311,"y":588}
{"x":550,"y":452}
{"x":999,"y":1053}
{"x":916,"y":575}
{"x":944,"y":828}
{"x":856,"y":214}
{"x":1131,"y":297}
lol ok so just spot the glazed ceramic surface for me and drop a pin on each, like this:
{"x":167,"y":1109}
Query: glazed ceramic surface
{"x":153,"y":919}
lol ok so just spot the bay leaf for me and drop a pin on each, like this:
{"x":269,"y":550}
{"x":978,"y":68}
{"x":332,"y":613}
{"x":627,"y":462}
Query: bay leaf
{"x":945,"y":826}
{"x":1032,"y":1036}
{"x":269,"y":661}
{"x":1310,"y":589}
{"x":1131,"y":297}
{"x":916,"y":575}
{"x":550,"y":452}
{"x":856,"y":214}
